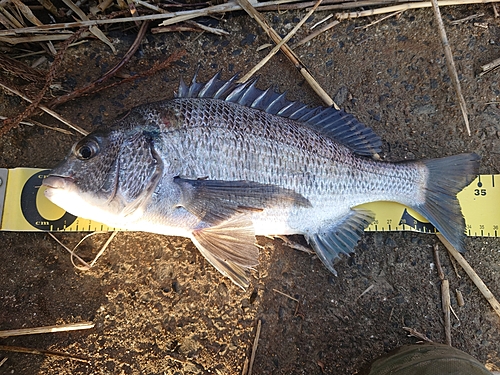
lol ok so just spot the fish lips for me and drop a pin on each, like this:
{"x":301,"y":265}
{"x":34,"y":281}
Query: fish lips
{"x":53,"y":183}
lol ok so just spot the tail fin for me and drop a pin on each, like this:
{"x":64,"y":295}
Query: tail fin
{"x":447,"y":177}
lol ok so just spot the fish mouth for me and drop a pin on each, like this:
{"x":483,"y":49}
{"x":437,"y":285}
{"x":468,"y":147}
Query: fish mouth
{"x":54,"y":183}
{"x":57,"y":182}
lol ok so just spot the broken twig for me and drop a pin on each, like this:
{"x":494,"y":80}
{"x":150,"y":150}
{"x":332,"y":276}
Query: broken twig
{"x":245,"y":4}
{"x":486,"y":68}
{"x":415,"y":333}
{"x":47,"y":329}
{"x":278,"y":46}
{"x":446,"y":304}
{"x":286,"y":295}
{"x":50,"y":353}
{"x":472,"y":274}
{"x":445,"y":296}
{"x":254,"y":347}
{"x":451,"y":64}
{"x":316,"y":33}
{"x":365,"y":291}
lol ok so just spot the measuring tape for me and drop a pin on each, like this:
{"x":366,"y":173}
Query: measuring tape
{"x":23,"y":207}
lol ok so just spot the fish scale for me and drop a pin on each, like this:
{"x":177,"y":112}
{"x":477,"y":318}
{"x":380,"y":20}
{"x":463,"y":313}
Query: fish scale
{"x":276,"y":160}
{"x":224,"y":162}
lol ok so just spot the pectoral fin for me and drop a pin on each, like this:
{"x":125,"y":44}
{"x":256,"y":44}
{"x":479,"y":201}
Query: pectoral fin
{"x":215,"y":201}
{"x":229,"y":247}
{"x":341,"y":237}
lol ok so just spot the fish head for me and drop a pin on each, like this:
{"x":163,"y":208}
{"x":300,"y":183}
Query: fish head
{"x":107,"y":176}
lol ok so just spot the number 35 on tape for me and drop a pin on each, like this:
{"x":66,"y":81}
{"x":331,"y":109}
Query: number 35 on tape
{"x":23,"y":207}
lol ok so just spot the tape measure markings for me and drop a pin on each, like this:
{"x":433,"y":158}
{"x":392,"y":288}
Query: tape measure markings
{"x":3,"y":189}
{"x":23,"y":207}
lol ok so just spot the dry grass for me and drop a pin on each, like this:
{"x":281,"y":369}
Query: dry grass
{"x":20,"y":25}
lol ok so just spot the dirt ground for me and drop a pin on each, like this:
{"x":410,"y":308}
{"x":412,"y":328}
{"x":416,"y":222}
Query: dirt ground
{"x":160,"y":308}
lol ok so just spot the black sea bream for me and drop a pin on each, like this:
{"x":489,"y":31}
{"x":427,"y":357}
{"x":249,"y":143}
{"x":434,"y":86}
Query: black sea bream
{"x":223,"y":162}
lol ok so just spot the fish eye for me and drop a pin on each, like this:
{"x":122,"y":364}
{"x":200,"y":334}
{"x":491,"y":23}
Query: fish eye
{"x":86,"y":149}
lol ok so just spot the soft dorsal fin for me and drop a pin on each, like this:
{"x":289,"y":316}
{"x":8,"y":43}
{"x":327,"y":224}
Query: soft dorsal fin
{"x":338,"y":125}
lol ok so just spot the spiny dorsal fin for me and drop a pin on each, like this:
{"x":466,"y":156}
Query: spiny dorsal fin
{"x":339,"y":125}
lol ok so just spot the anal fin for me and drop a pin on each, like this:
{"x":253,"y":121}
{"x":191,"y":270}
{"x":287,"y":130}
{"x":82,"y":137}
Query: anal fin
{"x":340,"y":237}
{"x":229,"y":247}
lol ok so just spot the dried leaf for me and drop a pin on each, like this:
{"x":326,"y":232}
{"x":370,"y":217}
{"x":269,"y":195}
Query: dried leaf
{"x":103,"y":38}
{"x":26,"y":11}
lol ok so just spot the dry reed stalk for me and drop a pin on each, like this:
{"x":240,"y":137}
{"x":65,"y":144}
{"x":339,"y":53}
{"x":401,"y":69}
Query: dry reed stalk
{"x":47,"y":329}
{"x":359,"y":4}
{"x":26,"y":11}
{"x":86,"y":266}
{"x":47,"y":110}
{"x":5,"y":22}
{"x":460,"y":298}
{"x":175,"y":17}
{"x":47,"y":4}
{"x":415,"y":333}
{"x":11,"y":123}
{"x":36,"y":123}
{"x":288,"y":52}
{"x":486,"y":68}
{"x":451,"y":64}
{"x":50,"y":353}
{"x":278,"y":46}
{"x":495,"y":10}
{"x":472,"y":274}
{"x":465,"y":19}
{"x":145,"y":4}
{"x":171,"y":18}
{"x":93,"y":29}
{"x":407,"y":6}
{"x":445,"y":296}
{"x":209,"y":29}
{"x":315,"y":34}
{"x":195,"y":27}
{"x":365,"y":291}
{"x":286,"y":295}
{"x":35,"y":38}
{"x":104,"y":247}
{"x":395,"y":14}
{"x":63,"y":131}
{"x":446,"y":305}
{"x":245,"y":367}
{"x":14,"y":22}
{"x":254,"y":347}
{"x":321,"y":21}
{"x":437,"y":262}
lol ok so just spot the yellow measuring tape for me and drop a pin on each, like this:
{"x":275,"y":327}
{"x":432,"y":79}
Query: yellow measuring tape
{"x":23,"y":207}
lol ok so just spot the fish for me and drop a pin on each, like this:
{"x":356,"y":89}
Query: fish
{"x":223,"y":162}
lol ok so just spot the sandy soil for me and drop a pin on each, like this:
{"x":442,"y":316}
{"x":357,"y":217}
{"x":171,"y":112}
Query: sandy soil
{"x":160,"y":308}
